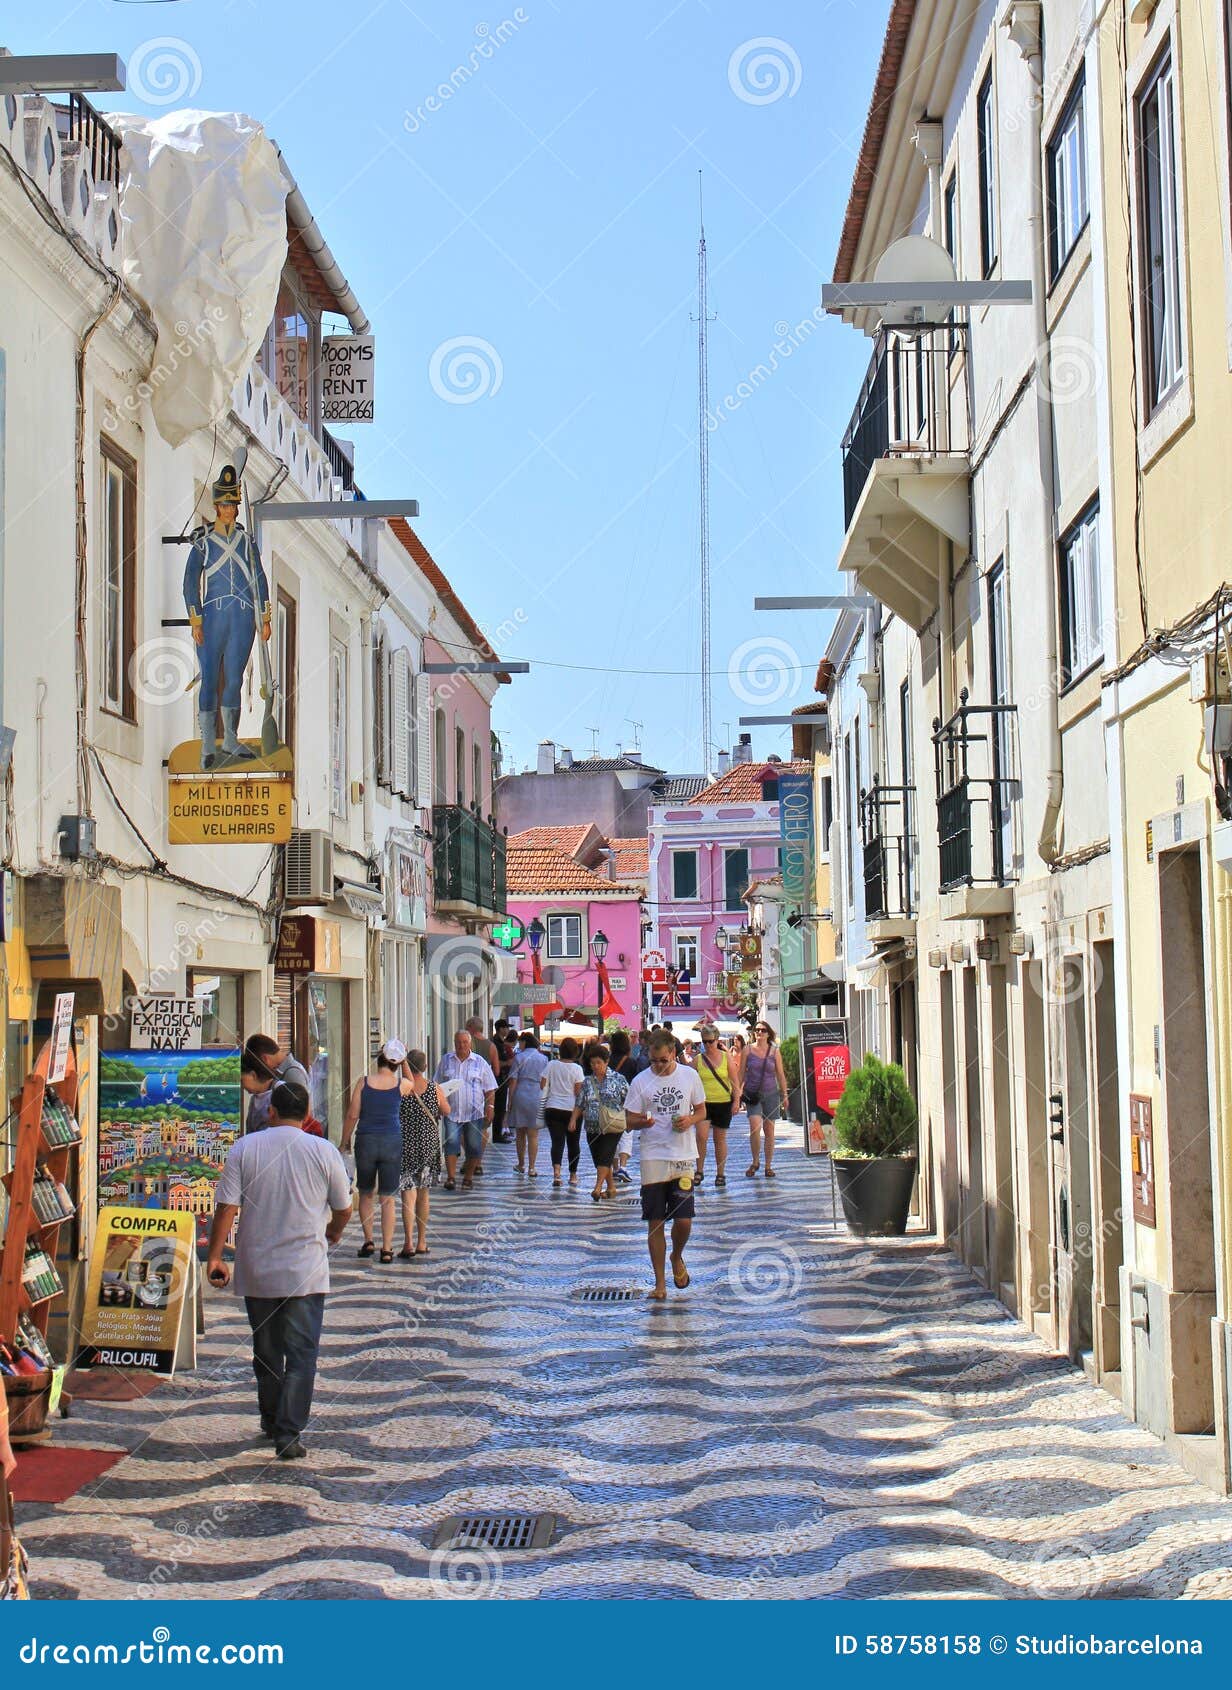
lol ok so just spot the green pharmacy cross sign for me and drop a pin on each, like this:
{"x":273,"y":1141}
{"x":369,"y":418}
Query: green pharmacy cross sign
{"x":508,"y":936}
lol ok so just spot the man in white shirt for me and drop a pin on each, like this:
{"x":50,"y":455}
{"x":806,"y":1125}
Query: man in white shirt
{"x":664,"y":1104}
{"x":295,"y":1195}
{"x":472,"y":1099}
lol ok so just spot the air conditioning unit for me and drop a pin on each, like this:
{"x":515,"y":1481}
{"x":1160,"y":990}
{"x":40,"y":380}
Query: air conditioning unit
{"x":309,"y":874}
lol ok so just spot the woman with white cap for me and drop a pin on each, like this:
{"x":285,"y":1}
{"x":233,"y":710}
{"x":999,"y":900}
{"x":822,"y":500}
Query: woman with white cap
{"x":374,"y":1121}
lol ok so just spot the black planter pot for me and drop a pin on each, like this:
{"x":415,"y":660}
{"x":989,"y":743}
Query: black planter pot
{"x":876,"y":1194}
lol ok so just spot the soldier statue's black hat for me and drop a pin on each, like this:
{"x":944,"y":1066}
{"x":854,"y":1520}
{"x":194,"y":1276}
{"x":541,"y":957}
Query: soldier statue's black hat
{"x":226,"y":490}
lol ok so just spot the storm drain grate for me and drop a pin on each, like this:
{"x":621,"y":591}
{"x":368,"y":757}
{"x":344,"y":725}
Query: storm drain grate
{"x":604,"y":1294}
{"x":495,"y":1531}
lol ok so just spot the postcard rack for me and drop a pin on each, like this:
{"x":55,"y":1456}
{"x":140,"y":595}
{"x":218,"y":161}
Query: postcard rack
{"x":47,"y":1134}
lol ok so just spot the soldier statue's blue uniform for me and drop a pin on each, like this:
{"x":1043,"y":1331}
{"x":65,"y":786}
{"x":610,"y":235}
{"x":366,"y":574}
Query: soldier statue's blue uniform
{"x":228,"y":603}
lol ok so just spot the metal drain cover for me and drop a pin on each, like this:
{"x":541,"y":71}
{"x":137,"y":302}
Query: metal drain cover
{"x":603,"y":1294}
{"x":495,"y":1531}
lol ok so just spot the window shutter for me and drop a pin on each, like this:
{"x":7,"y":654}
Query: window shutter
{"x":401,"y":721}
{"x":379,"y":711}
{"x":423,"y":731}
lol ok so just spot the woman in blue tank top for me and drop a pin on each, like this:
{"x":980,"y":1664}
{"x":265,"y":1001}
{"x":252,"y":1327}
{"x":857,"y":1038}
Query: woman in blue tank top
{"x":374,"y":1121}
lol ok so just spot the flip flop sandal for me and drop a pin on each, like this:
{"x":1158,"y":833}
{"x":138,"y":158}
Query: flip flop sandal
{"x":450,"y":1185}
{"x":720,"y":1179}
{"x":751,"y":1173}
{"x":770,"y":1174}
{"x":367,"y":1248}
{"x":681,"y":1284}
{"x":387,"y":1256}
{"x":406,"y":1255}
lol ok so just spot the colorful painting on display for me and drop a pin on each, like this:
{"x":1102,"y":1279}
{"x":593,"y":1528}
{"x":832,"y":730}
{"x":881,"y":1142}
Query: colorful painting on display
{"x":166,"y":1120}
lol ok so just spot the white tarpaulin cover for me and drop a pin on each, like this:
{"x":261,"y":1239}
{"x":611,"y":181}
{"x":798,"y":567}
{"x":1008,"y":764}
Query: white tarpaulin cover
{"x":203,"y":199}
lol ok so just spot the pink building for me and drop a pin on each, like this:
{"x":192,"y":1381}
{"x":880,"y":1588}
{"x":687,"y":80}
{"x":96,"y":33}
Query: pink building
{"x":703,"y":856}
{"x":578,"y":883}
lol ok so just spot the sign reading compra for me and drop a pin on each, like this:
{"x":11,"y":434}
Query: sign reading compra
{"x":140,"y":1283}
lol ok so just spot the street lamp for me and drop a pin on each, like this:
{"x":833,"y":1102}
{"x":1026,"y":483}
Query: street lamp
{"x":598,"y":945}
{"x":534,"y":935}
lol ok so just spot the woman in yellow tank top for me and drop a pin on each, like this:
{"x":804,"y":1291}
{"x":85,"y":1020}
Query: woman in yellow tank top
{"x":720,"y":1084}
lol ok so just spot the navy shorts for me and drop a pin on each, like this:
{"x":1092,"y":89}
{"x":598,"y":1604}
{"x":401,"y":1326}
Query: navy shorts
{"x":378,"y":1163}
{"x":665,"y":1201}
{"x":719,"y":1115}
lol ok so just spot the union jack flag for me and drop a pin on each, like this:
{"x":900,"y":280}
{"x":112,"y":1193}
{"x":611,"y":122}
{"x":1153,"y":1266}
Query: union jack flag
{"x":676,"y":991}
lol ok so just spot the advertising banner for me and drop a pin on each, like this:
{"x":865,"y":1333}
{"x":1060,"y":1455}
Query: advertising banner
{"x":140,"y":1282}
{"x":796,"y":826}
{"x":825,"y":1062}
{"x":167,"y":1023}
{"x":166,"y":1120}
{"x":654,"y":968}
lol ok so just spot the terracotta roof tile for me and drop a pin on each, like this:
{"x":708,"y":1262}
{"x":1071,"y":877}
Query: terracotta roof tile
{"x":898,"y":29}
{"x":743,"y":784}
{"x":436,"y":577}
{"x":533,"y":871}
{"x":569,"y":840}
{"x":632,"y":860}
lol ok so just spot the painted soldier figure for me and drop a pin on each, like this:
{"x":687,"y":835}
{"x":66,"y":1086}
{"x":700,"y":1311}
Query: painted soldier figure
{"x":228,"y":603}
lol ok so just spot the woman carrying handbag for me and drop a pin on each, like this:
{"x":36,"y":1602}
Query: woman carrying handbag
{"x":601,"y":1105}
{"x":716,"y":1071}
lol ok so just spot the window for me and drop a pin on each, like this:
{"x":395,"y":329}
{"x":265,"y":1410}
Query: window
{"x":684,"y":953}
{"x":118,"y":557}
{"x":400,"y":732}
{"x":986,"y":127}
{"x":1068,"y":207}
{"x":222,"y":992}
{"x":1158,"y":234}
{"x":440,"y":762}
{"x":285,"y":667}
{"x":564,"y":939}
{"x":848,"y":813}
{"x":684,"y":874}
{"x":949,"y":236}
{"x":1081,"y":637}
{"x":735,"y":878}
{"x":999,"y":677}
{"x":459,"y":757}
{"x":287,"y":354}
{"x":337,"y":729}
{"x":477,"y":774}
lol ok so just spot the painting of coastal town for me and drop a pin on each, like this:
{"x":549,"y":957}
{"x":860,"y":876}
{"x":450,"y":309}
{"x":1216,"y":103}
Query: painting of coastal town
{"x":166,"y":1120}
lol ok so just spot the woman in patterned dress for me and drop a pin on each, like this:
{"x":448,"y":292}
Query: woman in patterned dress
{"x":422,"y":1161}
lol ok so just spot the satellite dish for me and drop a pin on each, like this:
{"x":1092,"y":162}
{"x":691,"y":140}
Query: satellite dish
{"x":918,"y":260}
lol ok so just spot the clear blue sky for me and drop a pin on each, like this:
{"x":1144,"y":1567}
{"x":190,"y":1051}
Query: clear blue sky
{"x":548,"y":209}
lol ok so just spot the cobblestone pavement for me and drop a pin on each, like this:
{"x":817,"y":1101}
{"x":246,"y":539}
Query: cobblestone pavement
{"x":814,"y":1417}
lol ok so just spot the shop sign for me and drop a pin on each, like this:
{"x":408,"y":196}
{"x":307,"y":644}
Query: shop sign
{"x":825,"y":1063}
{"x":241,"y":810}
{"x":676,"y":992}
{"x":509,"y":934}
{"x":518,"y":991}
{"x":308,"y":944}
{"x":1142,"y":1158}
{"x":348,"y":363}
{"x":167,"y":1023}
{"x":654,"y":968}
{"x":748,"y":949}
{"x":141,"y":1276}
{"x":409,"y":878}
{"x":619,"y":982}
{"x":61,"y":1036}
{"x":166,"y":1120}
{"x":796,"y":827}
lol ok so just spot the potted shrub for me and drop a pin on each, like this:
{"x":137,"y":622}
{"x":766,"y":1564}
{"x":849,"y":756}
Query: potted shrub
{"x":875,"y":1125}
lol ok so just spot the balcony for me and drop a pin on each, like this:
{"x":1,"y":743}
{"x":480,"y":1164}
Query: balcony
{"x":888,"y":851}
{"x":468,"y":865}
{"x":977,"y":794}
{"x":907,"y":471}
{"x":341,"y":466}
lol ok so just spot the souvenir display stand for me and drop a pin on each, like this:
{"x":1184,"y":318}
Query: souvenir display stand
{"x":38,"y":1206}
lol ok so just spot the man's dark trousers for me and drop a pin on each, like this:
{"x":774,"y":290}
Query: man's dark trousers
{"x":286,"y":1335}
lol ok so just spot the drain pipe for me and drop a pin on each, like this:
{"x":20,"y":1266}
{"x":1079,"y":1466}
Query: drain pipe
{"x":1023,"y":19}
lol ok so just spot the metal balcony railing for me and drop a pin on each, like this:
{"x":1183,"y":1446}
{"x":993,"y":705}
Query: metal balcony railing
{"x":888,"y":849}
{"x":974,"y":767}
{"x":80,"y":124}
{"x":468,"y":860}
{"x":340,"y":466}
{"x":908,"y":406}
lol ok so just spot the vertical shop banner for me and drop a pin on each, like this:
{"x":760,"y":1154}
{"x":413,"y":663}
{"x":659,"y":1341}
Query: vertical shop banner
{"x":140,"y":1284}
{"x":796,"y":828}
{"x":166,"y":1120}
{"x":61,"y":1037}
{"x":825,"y":1062}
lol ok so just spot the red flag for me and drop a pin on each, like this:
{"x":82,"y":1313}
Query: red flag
{"x":541,"y":1011}
{"x":609,"y":1008}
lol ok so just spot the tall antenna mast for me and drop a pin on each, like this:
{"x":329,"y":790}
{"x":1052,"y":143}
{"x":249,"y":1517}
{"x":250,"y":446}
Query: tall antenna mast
{"x":703,"y":468}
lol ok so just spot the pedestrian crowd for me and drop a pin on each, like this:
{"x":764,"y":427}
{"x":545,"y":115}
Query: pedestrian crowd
{"x":408,"y":1132}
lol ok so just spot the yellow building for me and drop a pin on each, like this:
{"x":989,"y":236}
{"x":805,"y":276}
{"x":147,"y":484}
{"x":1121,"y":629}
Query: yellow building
{"x":1167,"y":228}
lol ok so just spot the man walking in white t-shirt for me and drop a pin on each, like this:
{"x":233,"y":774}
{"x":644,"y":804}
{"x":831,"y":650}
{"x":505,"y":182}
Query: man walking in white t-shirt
{"x":665,"y":1103}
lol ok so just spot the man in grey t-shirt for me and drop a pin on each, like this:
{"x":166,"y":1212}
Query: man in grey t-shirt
{"x":293,"y":1197}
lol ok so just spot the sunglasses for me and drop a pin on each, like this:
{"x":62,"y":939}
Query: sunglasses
{"x":710,"y":1041}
